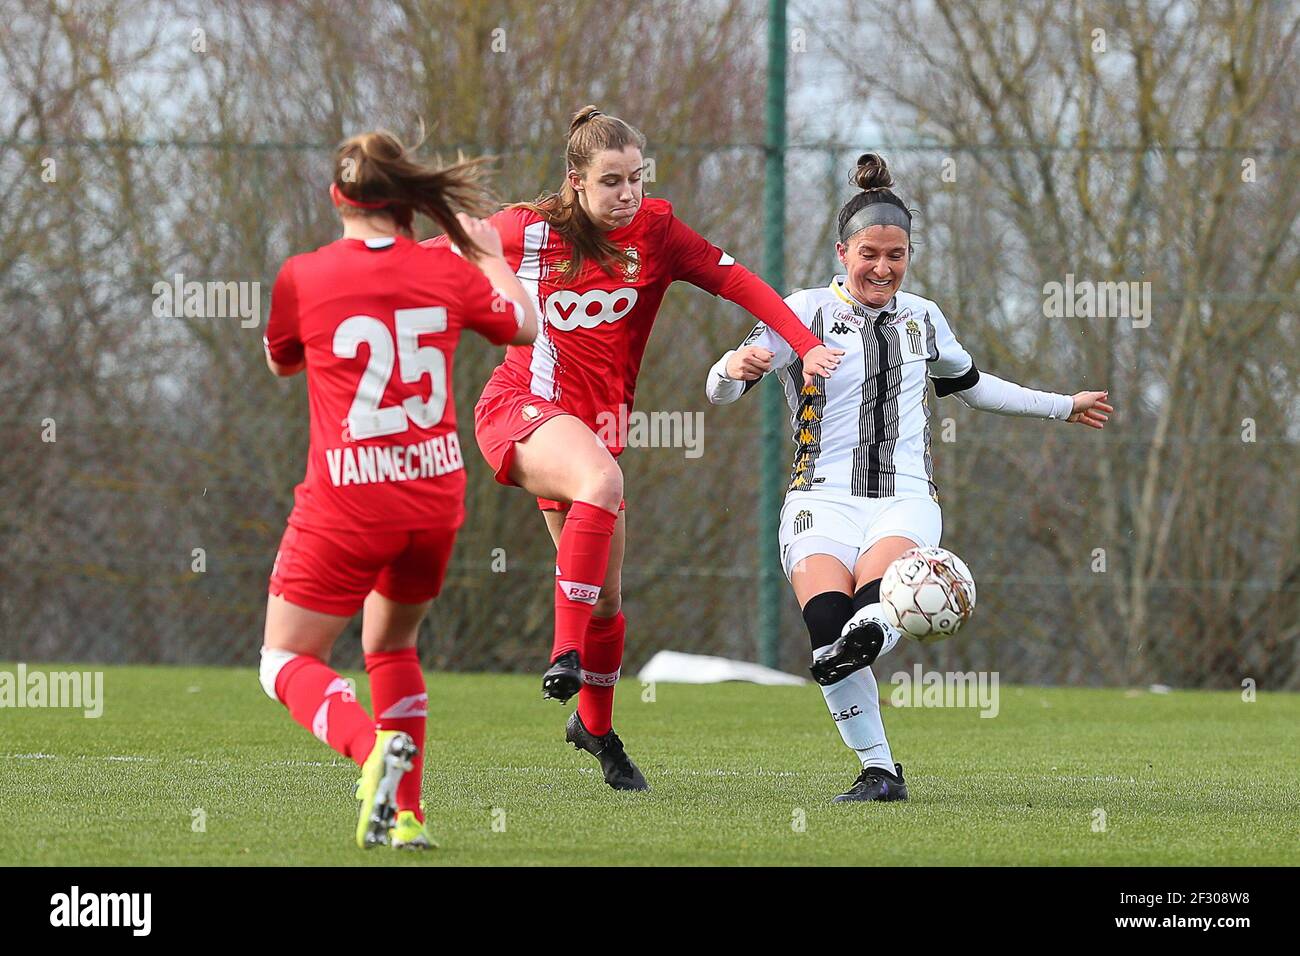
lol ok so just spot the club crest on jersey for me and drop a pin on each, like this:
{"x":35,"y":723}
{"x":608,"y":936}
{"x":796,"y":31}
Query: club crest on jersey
{"x":529,"y":412}
{"x":632,"y":269}
{"x":914,"y":336}
{"x":803,"y":521}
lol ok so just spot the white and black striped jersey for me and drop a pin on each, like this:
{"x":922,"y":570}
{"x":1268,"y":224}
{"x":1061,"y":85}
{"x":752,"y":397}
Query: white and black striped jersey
{"x":865,"y":431}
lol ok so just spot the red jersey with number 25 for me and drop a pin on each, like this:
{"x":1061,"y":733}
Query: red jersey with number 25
{"x":593,"y":331}
{"x":377,"y":321}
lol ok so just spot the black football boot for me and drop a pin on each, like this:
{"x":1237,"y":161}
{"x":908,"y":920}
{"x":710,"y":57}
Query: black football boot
{"x":876,"y":783}
{"x":563,"y":678}
{"x":620,"y":772}
{"x":852,"y":651}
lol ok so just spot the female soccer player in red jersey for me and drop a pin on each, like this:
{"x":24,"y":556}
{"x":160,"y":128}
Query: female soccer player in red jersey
{"x":374,"y":318}
{"x":598,"y":256}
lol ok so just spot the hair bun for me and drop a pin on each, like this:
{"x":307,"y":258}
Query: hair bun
{"x":583,"y":115}
{"x":871,"y":173}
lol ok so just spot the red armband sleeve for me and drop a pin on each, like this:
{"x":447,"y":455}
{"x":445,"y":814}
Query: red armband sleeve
{"x":762,"y":301}
{"x":701,"y":263}
{"x":509,"y":225}
{"x":492,"y":315}
{"x":282,"y":339}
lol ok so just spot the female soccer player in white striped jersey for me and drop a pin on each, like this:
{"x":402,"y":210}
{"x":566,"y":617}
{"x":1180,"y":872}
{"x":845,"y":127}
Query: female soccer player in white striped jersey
{"x":862,"y":489}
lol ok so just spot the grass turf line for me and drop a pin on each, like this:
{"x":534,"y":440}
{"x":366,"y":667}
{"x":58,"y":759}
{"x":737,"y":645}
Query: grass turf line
{"x":1187,"y":778}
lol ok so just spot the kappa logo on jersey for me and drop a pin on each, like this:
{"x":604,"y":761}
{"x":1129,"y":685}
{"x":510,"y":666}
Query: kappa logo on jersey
{"x":566,"y":309}
{"x":799,"y":479}
{"x":839,"y":328}
{"x":803,"y":521}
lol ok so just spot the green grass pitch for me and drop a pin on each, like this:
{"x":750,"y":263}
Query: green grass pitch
{"x":741,"y":775}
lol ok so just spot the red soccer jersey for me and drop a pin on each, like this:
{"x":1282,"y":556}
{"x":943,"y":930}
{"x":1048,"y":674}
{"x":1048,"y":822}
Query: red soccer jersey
{"x":378,"y":322}
{"x":593,"y":331}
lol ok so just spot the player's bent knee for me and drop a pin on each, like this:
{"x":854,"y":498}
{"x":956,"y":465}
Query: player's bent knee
{"x":604,"y":488}
{"x":608,"y":604}
{"x":388,"y":643}
{"x":273,"y":661}
{"x":825,"y":615}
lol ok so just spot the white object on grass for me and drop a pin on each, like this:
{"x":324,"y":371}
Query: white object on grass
{"x":674,"y":667}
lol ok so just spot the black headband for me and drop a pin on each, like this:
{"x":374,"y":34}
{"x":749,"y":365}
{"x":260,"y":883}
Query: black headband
{"x":877,"y":214}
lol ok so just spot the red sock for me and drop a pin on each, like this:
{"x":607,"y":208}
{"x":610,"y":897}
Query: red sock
{"x":602,"y":655}
{"x":398,"y":696}
{"x":579,"y":572}
{"x":323,"y":702}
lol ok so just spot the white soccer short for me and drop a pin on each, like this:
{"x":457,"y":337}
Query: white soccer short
{"x":844,"y":526}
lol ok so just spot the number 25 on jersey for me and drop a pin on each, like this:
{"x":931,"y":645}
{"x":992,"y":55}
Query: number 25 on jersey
{"x":365,"y":418}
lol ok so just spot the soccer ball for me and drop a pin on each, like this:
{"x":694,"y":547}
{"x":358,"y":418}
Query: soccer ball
{"x":928,"y":594}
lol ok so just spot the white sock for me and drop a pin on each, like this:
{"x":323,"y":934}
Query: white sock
{"x":876,"y":612}
{"x":854,"y":703}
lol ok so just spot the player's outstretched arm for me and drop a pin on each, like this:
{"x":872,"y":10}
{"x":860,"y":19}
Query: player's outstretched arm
{"x":701,"y":263}
{"x":953,"y":372}
{"x":737,"y":372}
{"x":1091,"y":409}
{"x":761,"y":301}
{"x":988,"y":393}
{"x":762,"y":351}
{"x":284,"y":350}
{"x":493,"y":265}
{"x":283,"y":371}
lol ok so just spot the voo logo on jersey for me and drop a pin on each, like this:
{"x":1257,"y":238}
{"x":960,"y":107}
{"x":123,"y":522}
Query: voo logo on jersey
{"x":566,"y":310}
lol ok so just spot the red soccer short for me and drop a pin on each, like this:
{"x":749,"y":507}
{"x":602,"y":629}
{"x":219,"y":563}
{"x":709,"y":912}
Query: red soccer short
{"x":333,"y":571}
{"x":506,"y":414}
